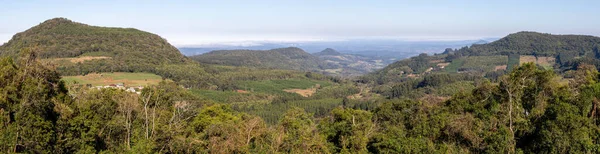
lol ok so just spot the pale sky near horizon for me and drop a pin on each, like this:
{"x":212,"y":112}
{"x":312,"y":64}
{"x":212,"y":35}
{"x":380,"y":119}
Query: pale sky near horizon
{"x":201,"y":22}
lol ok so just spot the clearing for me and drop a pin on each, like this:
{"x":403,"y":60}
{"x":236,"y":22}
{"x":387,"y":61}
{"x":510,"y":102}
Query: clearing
{"x":304,"y":92}
{"x":102,"y":79}
{"x":546,"y":62}
{"x":81,"y":59}
{"x":501,"y":67}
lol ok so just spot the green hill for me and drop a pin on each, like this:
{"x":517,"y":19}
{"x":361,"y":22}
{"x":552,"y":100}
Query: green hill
{"x":79,"y":48}
{"x":328,"y":52}
{"x":560,"y":53}
{"x":534,"y":43}
{"x":283,"y":58}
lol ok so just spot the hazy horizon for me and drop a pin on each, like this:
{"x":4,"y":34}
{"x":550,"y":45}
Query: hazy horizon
{"x":189,"y":23}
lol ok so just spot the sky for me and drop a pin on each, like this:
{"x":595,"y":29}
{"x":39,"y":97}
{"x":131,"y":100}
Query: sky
{"x":197,"y":22}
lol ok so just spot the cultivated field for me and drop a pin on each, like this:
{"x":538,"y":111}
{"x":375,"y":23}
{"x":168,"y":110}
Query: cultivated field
{"x":278,"y":86}
{"x":82,"y":59}
{"x":546,"y":62}
{"x":304,"y":92}
{"x":102,"y":79}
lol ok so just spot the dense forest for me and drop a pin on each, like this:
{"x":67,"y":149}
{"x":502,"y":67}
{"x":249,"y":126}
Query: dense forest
{"x":526,"y":111}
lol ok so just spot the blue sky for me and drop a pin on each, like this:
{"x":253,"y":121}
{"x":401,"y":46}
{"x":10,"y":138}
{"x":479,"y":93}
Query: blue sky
{"x":200,"y":22}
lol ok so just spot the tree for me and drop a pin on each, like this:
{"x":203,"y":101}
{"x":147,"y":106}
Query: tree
{"x":28,"y":93}
{"x":297,"y":133}
{"x":525,"y":91}
{"x":348,"y":130}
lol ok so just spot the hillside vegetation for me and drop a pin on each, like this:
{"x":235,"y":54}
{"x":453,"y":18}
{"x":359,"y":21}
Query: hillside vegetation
{"x":526,"y":111}
{"x":129,"y":49}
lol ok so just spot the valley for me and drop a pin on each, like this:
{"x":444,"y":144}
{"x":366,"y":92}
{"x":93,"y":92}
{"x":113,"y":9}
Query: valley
{"x":93,"y":89}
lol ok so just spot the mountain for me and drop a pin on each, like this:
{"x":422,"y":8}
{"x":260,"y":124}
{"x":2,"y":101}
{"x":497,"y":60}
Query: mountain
{"x":390,"y":48}
{"x":481,"y":42}
{"x":534,"y":43}
{"x":291,"y":58}
{"x":328,"y":52}
{"x":78,"y":48}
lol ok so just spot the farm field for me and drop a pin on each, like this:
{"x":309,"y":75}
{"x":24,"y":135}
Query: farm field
{"x":546,"y":62}
{"x":278,"y":86}
{"x":101,"y":79}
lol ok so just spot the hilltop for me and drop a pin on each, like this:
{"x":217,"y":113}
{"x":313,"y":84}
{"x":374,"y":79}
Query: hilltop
{"x":534,"y":43}
{"x":327,"y":52}
{"x":77,"y":48}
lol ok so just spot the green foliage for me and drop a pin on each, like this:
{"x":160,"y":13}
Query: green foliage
{"x":28,"y":95}
{"x":300,"y":134}
{"x":437,"y":84}
{"x":349,"y":130}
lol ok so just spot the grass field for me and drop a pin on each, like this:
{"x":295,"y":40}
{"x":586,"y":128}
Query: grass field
{"x":546,"y":62}
{"x":101,"y":79}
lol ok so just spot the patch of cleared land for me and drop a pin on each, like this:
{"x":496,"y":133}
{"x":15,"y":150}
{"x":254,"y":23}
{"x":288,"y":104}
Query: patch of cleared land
{"x":102,"y":79}
{"x":501,"y":67}
{"x":442,"y":65}
{"x":82,"y":59}
{"x":334,"y":70}
{"x":546,"y":62}
{"x":304,"y":92}
{"x":526,"y":59}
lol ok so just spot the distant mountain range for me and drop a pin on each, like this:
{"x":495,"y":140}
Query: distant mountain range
{"x":389,"y":48}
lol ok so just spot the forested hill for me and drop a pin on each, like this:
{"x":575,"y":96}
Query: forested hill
{"x":66,"y":43}
{"x":445,"y":74}
{"x":283,"y":58}
{"x":534,"y":43}
{"x":559,"y":52}
{"x":328,"y":52}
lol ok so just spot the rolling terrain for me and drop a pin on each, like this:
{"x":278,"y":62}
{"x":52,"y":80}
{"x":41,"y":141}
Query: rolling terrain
{"x":559,"y":53}
{"x":349,"y":65}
